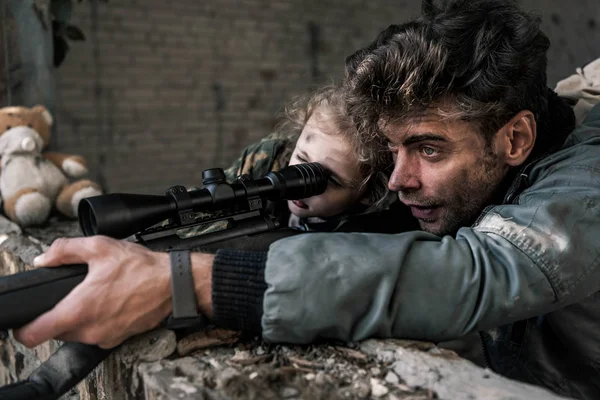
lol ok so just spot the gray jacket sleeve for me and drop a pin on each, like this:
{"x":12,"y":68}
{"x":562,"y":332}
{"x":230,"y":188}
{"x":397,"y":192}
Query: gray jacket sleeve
{"x":519,"y":261}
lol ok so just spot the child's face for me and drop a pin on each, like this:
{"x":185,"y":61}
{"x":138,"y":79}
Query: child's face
{"x":318,"y":143}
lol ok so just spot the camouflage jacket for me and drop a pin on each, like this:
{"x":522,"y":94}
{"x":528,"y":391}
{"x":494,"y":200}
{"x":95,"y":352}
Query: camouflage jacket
{"x":270,"y":154}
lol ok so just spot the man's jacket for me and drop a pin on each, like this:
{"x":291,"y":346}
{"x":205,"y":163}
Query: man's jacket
{"x":527,"y":274}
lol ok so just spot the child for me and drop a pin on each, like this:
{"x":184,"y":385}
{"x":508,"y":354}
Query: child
{"x":317,"y":129}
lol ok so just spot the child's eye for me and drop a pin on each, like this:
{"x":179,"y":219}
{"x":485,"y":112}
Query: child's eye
{"x":300,"y":159}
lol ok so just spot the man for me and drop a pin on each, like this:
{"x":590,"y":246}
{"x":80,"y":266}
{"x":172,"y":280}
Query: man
{"x":507,"y":200}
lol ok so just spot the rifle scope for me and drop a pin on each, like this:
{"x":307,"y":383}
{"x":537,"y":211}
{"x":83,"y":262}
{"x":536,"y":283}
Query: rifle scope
{"x":121,"y":215}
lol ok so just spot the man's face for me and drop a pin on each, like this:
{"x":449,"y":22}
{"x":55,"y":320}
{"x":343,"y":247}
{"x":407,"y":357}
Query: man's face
{"x":443,"y":171}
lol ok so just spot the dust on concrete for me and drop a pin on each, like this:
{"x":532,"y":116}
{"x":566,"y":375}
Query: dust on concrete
{"x":254,"y":369}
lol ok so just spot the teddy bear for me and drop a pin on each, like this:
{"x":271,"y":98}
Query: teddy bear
{"x":33,"y":182}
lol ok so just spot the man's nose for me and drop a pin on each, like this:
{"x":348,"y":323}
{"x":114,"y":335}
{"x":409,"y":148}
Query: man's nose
{"x":404,"y":176}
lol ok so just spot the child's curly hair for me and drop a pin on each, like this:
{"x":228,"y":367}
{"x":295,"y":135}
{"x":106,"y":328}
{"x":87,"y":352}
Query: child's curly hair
{"x":330,"y":99}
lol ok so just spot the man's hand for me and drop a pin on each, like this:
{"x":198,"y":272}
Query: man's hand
{"x":126,"y":291}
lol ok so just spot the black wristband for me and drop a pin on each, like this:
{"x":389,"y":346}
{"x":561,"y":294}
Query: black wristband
{"x":185,"y":309}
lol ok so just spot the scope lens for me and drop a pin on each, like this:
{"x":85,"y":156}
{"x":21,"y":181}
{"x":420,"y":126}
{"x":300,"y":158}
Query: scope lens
{"x":299,"y":181}
{"x":315,"y":178}
{"x":87,"y":218}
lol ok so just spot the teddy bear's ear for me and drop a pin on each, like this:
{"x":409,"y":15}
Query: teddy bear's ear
{"x":45,"y":114}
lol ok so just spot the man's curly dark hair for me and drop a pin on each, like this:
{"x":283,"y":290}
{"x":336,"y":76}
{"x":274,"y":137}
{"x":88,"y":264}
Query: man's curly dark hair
{"x":480,"y":61}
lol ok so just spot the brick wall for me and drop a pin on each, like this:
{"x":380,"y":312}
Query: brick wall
{"x":161,"y":90}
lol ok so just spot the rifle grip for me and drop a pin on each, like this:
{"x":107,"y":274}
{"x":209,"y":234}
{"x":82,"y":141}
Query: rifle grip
{"x":26,"y":295}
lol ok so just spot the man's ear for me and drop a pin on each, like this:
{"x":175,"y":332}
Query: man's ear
{"x":517,"y":137}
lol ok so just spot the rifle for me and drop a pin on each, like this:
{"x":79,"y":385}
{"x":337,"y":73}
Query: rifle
{"x":240,"y":208}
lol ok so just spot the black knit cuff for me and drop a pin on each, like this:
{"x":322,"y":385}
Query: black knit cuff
{"x":238,"y":288}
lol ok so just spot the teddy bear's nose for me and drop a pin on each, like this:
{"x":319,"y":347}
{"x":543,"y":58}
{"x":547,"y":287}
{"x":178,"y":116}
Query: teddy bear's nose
{"x":28,"y":144}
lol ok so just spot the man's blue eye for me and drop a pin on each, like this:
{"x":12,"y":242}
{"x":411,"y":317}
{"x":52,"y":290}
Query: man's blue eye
{"x":429,"y":151}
